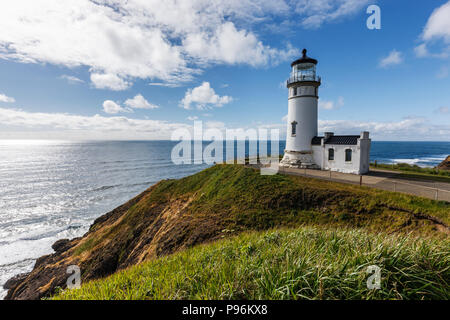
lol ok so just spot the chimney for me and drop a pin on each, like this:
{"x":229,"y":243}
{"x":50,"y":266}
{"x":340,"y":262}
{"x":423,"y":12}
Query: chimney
{"x":364,"y":135}
{"x":328,"y":135}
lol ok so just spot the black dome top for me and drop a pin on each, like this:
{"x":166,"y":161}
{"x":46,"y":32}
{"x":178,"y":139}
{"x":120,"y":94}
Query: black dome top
{"x":304,"y":59}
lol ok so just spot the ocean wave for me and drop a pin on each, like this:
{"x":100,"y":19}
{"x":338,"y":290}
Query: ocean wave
{"x":12,"y":264}
{"x":103,"y":188}
{"x":148,"y":183}
{"x":430,"y":161}
{"x":408,"y":161}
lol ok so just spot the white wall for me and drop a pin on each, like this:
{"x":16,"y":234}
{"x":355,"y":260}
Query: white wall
{"x":365,"y":155}
{"x":303,"y":110}
{"x":360,"y":157}
{"x":339,"y":163}
{"x":318,"y":153}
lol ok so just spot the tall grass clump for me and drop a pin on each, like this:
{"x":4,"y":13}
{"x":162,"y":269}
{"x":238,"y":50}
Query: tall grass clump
{"x":303,"y":263}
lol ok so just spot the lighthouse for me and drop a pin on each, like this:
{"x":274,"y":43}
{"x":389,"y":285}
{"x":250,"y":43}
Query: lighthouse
{"x":304,"y":148}
{"x":303,"y":85}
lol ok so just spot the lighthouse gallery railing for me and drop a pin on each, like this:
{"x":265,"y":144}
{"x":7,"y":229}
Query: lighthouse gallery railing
{"x":299,"y":78}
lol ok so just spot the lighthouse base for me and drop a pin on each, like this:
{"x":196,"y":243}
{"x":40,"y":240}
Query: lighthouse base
{"x":298,"y":159}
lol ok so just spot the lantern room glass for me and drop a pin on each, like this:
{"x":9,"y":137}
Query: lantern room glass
{"x":304,"y":72}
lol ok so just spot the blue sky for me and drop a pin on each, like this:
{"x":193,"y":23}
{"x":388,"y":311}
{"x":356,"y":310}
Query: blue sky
{"x":141,"y":69}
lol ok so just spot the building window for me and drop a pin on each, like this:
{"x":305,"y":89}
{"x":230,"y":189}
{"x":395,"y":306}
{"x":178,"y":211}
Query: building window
{"x":295,"y":91}
{"x":330,"y":154}
{"x":294,"y":128}
{"x":348,"y":155}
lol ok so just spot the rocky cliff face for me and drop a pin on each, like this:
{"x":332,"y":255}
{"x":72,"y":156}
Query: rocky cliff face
{"x":213,"y":204}
{"x":121,"y":238}
{"x":445,"y":165}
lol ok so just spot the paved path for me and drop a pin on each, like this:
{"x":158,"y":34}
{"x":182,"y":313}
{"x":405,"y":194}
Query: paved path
{"x":381,"y":179}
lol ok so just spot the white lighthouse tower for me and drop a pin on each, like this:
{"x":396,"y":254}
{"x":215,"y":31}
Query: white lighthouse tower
{"x":303,"y":85}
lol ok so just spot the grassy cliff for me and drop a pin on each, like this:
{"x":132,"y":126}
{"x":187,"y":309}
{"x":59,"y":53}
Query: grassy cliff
{"x":303,"y":263}
{"x":225,"y":201}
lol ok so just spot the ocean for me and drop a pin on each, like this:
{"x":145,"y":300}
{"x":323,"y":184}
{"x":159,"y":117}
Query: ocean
{"x":51,"y":190}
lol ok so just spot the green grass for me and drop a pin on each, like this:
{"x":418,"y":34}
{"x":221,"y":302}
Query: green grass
{"x":235,"y":198}
{"x":165,"y":230}
{"x":247,"y":195}
{"x":416,"y":172}
{"x":302,"y":263}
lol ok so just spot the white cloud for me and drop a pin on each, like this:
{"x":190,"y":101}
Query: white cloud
{"x":109,"y":81}
{"x":443,"y":110}
{"x":436,"y":30}
{"x":121,"y":41}
{"x":438,"y":25}
{"x":22,"y":124}
{"x":330,"y":105}
{"x":112,"y":107}
{"x":203,"y":97}
{"x":5,"y":98}
{"x":71,"y":79}
{"x":327,"y":105}
{"x":394,"y":58}
{"x":232,"y":46}
{"x":421,"y":50}
{"x":192,"y":118}
{"x":317,"y":12}
{"x":139,"y":102}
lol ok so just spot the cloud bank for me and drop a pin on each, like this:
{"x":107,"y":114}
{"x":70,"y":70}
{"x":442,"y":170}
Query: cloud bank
{"x":168,"y":42}
{"x":66,"y":126}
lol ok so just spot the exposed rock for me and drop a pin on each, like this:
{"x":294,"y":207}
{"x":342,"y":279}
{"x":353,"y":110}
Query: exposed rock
{"x":444,"y":165}
{"x":50,"y":271}
{"x":61,"y":245}
{"x":14,"y":281}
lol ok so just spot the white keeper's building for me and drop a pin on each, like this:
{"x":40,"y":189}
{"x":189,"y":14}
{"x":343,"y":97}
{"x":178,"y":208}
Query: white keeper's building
{"x":304,"y":148}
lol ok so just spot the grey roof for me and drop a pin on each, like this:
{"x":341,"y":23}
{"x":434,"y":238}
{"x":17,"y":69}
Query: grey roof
{"x":316,"y":141}
{"x":346,"y":140}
